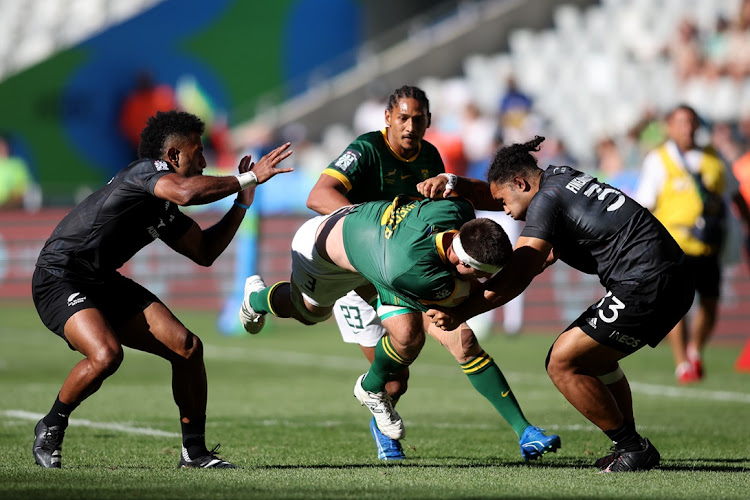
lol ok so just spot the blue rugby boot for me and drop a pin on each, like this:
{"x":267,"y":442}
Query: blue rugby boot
{"x":535,"y":443}
{"x":388,"y":449}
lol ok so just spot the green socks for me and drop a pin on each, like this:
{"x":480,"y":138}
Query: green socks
{"x":489,"y":381}
{"x":387,"y":362}
{"x":261,"y":300}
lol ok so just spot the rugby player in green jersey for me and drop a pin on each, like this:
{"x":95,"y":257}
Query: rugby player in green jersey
{"x":408,"y":255}
{"x":379,"y":165}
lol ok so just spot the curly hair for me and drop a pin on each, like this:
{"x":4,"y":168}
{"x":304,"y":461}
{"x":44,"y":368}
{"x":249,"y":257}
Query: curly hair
{"x":409,"y":91}
{"x":513,"y":160}
{"x":165,"y":127}
{"x":486,"y":241}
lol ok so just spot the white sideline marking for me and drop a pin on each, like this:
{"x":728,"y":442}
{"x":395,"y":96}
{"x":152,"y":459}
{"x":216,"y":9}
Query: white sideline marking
{"x":27,"y":415}
{"x":354,"y":362}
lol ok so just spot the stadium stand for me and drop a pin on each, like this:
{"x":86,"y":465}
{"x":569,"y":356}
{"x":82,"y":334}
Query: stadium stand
{"x":32,"y":30}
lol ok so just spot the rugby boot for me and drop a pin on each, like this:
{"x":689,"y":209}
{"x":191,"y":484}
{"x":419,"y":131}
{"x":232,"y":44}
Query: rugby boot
{"x":535,"y":443}
{"x":646,"y":458}
{"x":208,"y":461}
{"x":388,"y":449}
{"x":381,"y":406}
{"x":47,"y":447}
{"x":252,"y":321}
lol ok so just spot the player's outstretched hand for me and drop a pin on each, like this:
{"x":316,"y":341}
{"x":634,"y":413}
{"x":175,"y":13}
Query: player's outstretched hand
{"x":443,"y":319}
{"x":434,"y":187}
{"x":266,"y":167}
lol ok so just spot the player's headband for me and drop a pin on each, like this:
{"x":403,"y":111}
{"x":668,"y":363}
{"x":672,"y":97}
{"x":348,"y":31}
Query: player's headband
{"x":469,"y":260}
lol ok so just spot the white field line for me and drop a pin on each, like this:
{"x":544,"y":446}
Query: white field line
{"x":112,"y":426}
{"x":30,"y":416}
{"x":356,"y":362}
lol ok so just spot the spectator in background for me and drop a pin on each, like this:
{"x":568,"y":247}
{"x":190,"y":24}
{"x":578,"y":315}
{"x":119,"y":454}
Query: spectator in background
{"x":610,"y":167}
{"x":716,"y":50}
{"x":554,"y":152}
{"x":738,"y":44}
{"x":517,"y":120}
{"x":685,"y":50}
{"x":478,"y":137}
{"x":15,"y":179}
{"x":682,"y":184}
{"x":147,"y":98}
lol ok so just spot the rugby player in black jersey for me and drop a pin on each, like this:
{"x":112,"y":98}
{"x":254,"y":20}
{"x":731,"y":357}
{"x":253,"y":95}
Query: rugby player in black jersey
{"x":82,"y":298}
{"x":597,"y":229}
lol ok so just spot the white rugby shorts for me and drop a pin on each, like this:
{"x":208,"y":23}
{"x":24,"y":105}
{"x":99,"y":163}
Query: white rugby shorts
{"x":358,"y":322}
{"x":320,"y":282}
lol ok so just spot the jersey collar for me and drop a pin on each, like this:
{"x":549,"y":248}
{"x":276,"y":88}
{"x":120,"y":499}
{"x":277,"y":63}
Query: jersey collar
{"x":440,"y":244}
{"x":398,"y":156}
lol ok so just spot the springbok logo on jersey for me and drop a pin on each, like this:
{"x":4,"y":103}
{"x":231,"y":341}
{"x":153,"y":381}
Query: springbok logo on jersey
{"x":74,"y":299}
{"x":161,"y":165}
{"x":348,"y":158}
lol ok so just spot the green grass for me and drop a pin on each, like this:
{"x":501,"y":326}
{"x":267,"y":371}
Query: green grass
{"x":281,"y":405}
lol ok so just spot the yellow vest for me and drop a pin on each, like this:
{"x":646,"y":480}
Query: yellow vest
{"x":679,"y":204}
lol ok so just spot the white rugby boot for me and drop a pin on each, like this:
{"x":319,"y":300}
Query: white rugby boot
{"x":381,"y":406}
{"x":252,"y":321}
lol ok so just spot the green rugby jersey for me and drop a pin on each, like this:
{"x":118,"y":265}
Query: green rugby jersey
{"x":371,"y":170}
{"x":398,"y":246}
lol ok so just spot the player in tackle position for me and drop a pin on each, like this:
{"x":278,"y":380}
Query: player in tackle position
{"x":407,"y":255}
{"x":597,"y":229}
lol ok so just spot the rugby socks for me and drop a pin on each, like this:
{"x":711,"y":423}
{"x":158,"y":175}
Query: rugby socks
{"x":626,"y":437}
{"x":387,"y":362}
{"x":58,"y":415}
{"x":489,"y":381}
{"x":260,"y":301}
{"x":194,"y":437}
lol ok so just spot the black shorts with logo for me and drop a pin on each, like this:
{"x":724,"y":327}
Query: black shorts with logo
{"x":57,"y":299}
{"x":634,"y":314}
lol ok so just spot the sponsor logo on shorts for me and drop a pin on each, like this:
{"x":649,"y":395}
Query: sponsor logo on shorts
{"x":591,"y":322}
{"x":625,"y":339}
{"x":74,"y":299}
{"x":347,"y":159}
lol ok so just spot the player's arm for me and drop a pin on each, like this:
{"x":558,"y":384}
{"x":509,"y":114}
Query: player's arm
{"x":530,"y":257}
{"x":445,"y":185}
{"x":327,"y":195}
{"x":202,"y":189}
{"x":203,"y":246}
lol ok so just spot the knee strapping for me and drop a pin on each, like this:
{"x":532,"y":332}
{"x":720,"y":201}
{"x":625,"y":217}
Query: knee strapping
{"x":612,"y":377}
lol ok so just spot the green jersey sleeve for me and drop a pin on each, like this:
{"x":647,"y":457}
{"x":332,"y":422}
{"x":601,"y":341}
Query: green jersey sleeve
{"x":355,"y":166}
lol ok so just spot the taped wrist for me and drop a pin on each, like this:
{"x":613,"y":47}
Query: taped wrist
{"x":247,"y":179}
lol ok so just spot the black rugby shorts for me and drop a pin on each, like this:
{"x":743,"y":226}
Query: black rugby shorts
{"x":57,"y":299}
{"x":633,"y":314}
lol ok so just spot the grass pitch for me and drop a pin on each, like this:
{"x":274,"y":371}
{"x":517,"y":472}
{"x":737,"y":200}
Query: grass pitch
{"x":282,"y":407}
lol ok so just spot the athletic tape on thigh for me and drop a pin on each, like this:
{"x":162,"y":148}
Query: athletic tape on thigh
{"x":299,"y":304}
{"x":612,"y":377}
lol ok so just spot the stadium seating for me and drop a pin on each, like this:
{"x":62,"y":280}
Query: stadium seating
{"x":32,"y":30}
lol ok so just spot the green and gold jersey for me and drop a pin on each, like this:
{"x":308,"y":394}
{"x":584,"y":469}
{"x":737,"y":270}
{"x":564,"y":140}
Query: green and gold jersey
{"x":398,"y":246}
{"x":372,"y":171}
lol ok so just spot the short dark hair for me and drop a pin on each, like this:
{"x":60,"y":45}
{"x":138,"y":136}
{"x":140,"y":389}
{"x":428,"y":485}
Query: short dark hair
{"x":515,"y":159}
{"x":409,"y":91}
{"x":486,"y":241}
{"x":685,"y":107}
{"x":164,"y":127}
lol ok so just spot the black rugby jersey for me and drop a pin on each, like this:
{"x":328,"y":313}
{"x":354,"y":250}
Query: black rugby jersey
{"x":598,"y":229}
{"x":106,"y":229}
